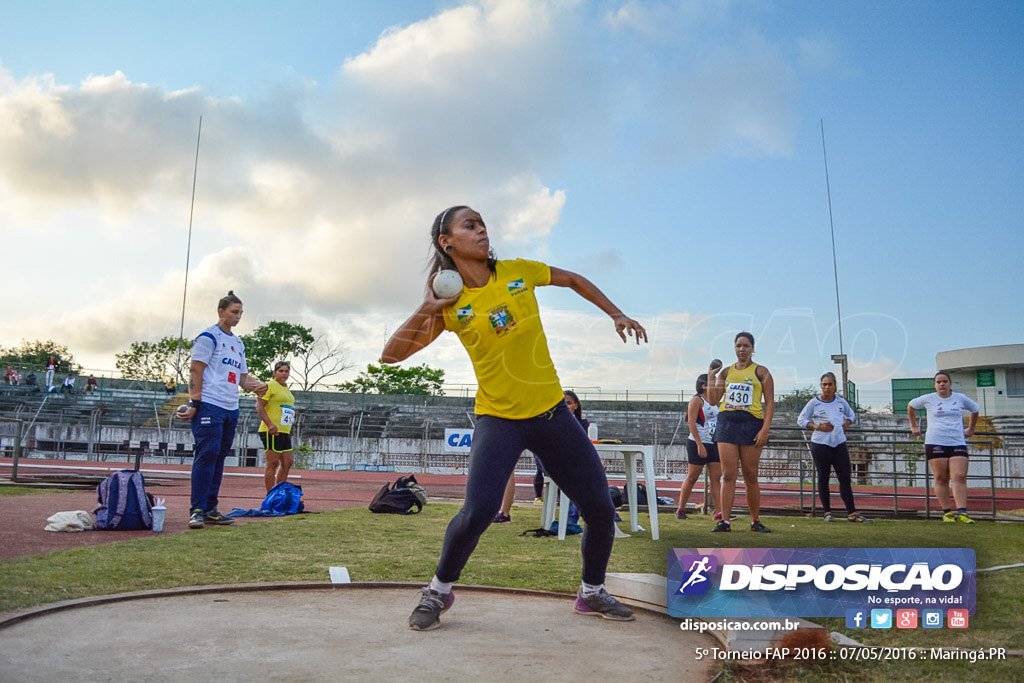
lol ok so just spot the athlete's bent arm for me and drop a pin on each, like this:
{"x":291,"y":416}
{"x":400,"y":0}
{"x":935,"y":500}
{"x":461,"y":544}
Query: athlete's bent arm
{"x":250,"y":383}
{"x":624,"y":325}
{"x":915,"y":429}
{"x":195,"y":388}
{"x":768,"y":392}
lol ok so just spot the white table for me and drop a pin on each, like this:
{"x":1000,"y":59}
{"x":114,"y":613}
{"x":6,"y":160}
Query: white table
{"x":630,"y":454}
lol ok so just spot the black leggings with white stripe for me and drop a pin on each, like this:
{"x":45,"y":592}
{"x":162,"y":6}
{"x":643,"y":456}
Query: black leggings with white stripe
{"x":569,"y":458}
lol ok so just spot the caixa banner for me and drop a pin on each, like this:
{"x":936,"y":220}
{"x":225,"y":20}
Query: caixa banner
{"x":816,"y":582}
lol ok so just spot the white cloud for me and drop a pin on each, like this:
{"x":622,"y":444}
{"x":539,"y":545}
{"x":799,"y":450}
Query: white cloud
{"x":315,"y":202}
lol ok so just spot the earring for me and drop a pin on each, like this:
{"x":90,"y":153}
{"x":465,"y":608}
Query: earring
{"x":449,"y":249}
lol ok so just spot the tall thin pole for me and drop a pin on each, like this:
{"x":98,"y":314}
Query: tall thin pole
{"x":188,"y":248}
{"x":841,"y":358}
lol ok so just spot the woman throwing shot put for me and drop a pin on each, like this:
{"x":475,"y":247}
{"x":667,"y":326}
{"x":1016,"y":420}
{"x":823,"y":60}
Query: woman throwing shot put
{"x":945,"y":442}
{"x":519,"y":402}
{"x":828,"y":416}
{"x":276,"y":410}
{"x":743,"y":424}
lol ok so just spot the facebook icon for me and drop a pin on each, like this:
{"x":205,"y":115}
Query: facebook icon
{"x":856,"y":618}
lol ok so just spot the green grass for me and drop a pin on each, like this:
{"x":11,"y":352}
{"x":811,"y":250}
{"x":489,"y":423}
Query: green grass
{"x":405,"y":548}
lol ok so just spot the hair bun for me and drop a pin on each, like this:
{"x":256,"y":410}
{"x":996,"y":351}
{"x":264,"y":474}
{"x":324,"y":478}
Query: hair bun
{"x":231,"y":292}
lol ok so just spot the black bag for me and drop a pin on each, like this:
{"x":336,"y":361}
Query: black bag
{"x":396,"y":499}
{"x":616,"y":496}
{"x":641,"y":495}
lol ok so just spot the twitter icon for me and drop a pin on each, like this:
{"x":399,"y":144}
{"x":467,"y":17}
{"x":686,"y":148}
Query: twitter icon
{"x":881,"y":618}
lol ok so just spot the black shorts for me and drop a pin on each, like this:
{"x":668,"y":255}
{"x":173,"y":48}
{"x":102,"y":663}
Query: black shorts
{"x":935,"y":452}
{"x":737,"y":427}
{"x":276,"y":443}
{"x":693,"y":455}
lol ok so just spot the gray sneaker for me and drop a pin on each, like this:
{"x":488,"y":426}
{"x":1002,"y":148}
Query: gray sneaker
{"x":427,"y":615}
{"x":602,"y":604}
{"x":196,"y":521}
{"x":827,"y":518}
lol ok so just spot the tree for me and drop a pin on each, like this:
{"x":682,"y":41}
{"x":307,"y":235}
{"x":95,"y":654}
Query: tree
{"x":321,"y":361}
{"x":420,"y":380}
{"x":156,"y":360}
{"x":36,"y":355}
{"x":795,"y":399}
{"x":277,"y":340}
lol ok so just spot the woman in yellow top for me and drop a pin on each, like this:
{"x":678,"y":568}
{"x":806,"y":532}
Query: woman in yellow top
{"x":276,"y":409}
{"x":519,"y":402}
{"x":743,"y":425}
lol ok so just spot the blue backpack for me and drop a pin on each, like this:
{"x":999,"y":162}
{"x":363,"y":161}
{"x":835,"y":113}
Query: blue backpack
{"x":124,"y":504}
{"x":283,"y":499}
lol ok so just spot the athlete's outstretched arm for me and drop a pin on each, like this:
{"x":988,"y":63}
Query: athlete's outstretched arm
{"x":424,"y":326}
{"x":624,"y":325}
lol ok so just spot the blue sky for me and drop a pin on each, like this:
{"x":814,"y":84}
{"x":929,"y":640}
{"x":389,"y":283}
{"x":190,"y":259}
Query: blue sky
{"x":670,"y":151}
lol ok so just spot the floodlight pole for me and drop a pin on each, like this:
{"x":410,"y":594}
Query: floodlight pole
{"x":839,"y":358}
{"x":188,"y":249}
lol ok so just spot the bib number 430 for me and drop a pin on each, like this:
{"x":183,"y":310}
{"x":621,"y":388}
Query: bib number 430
{"x":739,"y":395}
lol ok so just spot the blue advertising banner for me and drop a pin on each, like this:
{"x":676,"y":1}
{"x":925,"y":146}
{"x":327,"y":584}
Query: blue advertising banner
{"x":817,"y":582}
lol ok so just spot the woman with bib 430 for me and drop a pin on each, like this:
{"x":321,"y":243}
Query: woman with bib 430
{"x":743,"y":424}
{"x":519,"y":403}
{"x":276,"y":410}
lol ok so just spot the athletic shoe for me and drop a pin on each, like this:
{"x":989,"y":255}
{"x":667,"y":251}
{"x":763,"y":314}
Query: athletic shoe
{"x":538,"y":501}
{"x":722,"y":526}
{"x":858,"y":518}
{"x":427,"y":615}
{"x":197,"y":520}
{"x":828,"y":517}
{"x":680,"y":514}
{"x":949,"y":517}
{"x":501,"y":518}
{"x":757,"y":526}
{"x":214,"y":517}
{"x":717,"y":517}
{"x":964,"y":519}
{"x":602,"y":604}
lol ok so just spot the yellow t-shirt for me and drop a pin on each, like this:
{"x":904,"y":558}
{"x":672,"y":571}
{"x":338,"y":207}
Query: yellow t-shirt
{"x":499,"y":324}
{"x":280,"y":407}
{"x":742,"y":391}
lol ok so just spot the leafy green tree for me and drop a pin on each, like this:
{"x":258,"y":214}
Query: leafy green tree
{"x":36,"y":354}
{"x":420,"y":380}
{"x":795,"y":399}
{"x":168,"y":357}
{"x":274,"y":341}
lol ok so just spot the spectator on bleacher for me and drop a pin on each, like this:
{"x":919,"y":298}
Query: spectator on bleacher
{"x":519,"y":402}
{"x":17,"y":378}
{"x":49,"y":374}
{"x":9,"y":375}
{"x":30,"y":380}
{"x":90,"y":384}
{"x":217,"y":371}
{"x":276,"y":410}
{"x":171,"y":387}
{"x":69,"y":385}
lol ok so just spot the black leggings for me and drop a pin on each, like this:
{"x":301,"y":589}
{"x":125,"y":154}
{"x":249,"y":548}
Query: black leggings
{"x":569,"y":458}
{"x":827,"y":458}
